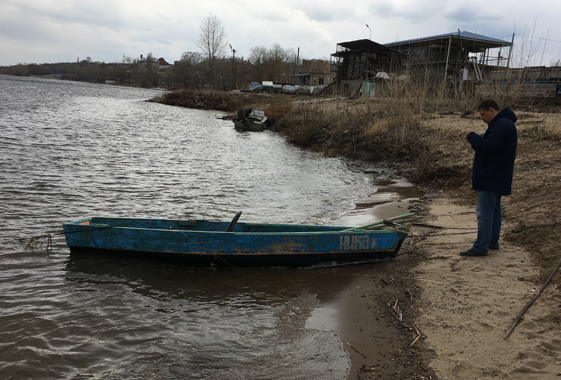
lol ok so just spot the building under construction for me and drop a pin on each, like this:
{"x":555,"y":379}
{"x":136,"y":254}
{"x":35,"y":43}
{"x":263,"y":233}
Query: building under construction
{"x":458,"y":62}
{"x":454,"y":57}
{"x":363,"y":66}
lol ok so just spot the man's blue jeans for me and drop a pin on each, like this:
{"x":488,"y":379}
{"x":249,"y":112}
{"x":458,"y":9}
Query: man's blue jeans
{"x":489,"y":217}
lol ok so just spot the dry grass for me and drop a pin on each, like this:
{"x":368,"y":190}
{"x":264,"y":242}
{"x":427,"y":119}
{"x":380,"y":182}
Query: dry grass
{"x":214,"y":100}
{"x":539,"y":126}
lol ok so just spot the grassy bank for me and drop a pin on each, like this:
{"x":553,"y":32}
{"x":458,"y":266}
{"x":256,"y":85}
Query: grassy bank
{"x":368,"y":129}
{"x":424,"y":131}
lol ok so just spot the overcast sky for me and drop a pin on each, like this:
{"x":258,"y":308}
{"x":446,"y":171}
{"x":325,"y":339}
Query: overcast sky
{"x":49,"y":31}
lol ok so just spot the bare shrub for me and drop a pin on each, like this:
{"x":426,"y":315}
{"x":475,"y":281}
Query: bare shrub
{"x":215,"y":100}
{"x":302,"y":124}
{"x":276,"y":110}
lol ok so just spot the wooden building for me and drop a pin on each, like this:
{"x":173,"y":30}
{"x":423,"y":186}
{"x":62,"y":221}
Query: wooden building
{"x":361,"y":64}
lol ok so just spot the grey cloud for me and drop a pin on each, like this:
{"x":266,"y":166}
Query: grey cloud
{"x":329,"y":14}
{"x":471,"y":15}
{"x":421,"y":11}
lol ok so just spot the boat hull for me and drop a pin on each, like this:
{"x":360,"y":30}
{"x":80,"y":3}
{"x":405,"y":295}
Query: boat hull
{"x":249,"y":125}
{"x":247,"y":261}
{"x":203,"y":243}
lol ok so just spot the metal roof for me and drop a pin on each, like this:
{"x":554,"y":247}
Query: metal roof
{"x":359,"y":45}
{"x":458,"y":35}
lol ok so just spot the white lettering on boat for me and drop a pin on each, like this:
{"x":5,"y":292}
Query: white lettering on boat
{"x":356,"y":242}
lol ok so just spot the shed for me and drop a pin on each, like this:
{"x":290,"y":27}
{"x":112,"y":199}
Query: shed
{"x":363,"y":59}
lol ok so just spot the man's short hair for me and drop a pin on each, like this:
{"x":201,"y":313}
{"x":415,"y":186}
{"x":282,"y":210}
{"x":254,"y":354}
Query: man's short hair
{"x":487,"y":104}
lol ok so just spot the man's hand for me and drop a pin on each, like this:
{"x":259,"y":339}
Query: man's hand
{"x":467,"y":132}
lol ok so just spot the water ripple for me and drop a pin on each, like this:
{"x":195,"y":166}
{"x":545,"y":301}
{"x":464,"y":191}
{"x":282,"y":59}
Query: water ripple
{"x":71,"y":150}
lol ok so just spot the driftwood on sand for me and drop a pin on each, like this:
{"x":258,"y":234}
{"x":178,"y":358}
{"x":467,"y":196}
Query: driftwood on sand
{"x":520,"y":315}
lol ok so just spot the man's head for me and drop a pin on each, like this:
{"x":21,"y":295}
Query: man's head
{"x":488,"y":109}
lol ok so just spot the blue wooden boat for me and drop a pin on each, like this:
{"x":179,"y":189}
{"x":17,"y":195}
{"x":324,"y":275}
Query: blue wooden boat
{"x":206,"y":243}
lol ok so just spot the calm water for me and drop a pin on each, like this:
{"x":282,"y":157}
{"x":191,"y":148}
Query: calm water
{"x":71,"y":150}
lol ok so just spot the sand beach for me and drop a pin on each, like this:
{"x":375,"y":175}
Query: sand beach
{"x":454,"y":312}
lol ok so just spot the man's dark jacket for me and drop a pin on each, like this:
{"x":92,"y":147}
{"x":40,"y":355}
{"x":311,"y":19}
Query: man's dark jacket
{"x":495,"y":152}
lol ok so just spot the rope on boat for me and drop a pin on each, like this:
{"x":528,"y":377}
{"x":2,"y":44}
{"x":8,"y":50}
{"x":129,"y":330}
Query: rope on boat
{"x":443,"y":227}
{"x":474,"y":229}
{"x":36,"y":242}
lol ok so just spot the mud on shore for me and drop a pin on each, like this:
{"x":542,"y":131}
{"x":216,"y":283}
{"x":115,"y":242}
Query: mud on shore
{"x":377,"y":308}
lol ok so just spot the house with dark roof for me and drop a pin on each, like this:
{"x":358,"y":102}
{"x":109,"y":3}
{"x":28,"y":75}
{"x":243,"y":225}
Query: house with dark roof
{"x":362,"y":62}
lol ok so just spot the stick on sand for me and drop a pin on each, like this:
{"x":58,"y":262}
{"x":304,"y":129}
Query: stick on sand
{"x":520,"y":315}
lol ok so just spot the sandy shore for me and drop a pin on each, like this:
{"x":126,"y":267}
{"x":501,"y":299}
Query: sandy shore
{"x":461,"y":307}
{"x":468,"y":305}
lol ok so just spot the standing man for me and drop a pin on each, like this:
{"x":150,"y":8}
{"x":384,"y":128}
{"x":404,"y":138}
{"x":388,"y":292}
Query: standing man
{"x":493,"y":167}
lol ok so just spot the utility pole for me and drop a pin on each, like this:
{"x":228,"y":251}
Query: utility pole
{"x":370,"y":32}
{"x":233,"y":67}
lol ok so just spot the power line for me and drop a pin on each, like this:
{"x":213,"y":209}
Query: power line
{"x":537,"y":38}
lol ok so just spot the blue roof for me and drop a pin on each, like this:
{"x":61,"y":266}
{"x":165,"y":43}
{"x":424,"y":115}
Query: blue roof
{"x":468,"y":35}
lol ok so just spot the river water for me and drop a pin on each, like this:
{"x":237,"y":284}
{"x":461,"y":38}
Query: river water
{"x":71,"y":150}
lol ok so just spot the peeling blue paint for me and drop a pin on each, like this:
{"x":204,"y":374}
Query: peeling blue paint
{"x":248,"y":240}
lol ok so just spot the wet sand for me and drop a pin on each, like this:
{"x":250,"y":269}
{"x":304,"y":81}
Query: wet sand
{"x":363,"y":316}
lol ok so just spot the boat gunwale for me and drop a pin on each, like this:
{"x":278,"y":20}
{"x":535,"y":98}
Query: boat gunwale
{"x":79,"y":226}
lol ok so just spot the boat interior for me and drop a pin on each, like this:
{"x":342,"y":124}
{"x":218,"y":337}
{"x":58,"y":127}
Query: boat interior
{"x":203,"y":225}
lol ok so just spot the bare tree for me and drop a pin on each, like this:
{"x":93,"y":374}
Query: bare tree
{"x":258,"y":60}
{"x":186,"y":68}
{"x":278,"y":59}
{"x":212,"y":42}
{"x":191,"y":58}
{"x":272,"y":64}
{"x":258,"y":55}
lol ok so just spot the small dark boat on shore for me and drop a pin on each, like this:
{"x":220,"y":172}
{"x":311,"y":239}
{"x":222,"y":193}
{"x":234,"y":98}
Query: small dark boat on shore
{"x":205,"y":243}
{"x":250,"y":120}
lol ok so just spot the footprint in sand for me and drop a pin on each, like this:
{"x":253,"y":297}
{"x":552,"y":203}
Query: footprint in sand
{"x":486,"y":327}
{"x":455,"y":265}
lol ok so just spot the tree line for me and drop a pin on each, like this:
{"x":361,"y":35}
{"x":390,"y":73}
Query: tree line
{"x":211,"y":67}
